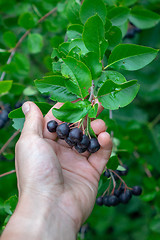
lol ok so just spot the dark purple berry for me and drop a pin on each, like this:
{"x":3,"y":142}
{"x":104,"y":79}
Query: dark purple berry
{"x":52,"y":125}
{"x":84,"y":142}
{"x":2,"y":123}
{"x":107,"y":173}
{"x":70,"y":142}
{"x":125,"y":197}
{"x":124,"y":172}
{"x":63,"y":131}
{"x":105,"y":201}
{"x":80,"y":149}
{"x":99,"y":201}
{"x":117,"y":192}
{"x":113,"y":200}
{"x":136,"y":190}
{"x":93,"y":145}
{"x":4,"y":115}
{"x":76,"y":135}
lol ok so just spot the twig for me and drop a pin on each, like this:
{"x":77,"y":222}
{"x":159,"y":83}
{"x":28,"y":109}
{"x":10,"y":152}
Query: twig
{"x":91,"y":93}
{"x":8,"y":142}
{"x":7,"y":173}
{"x":13,"y":50}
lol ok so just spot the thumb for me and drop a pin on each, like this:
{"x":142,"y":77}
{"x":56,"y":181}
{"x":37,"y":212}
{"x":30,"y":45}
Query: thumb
{"x":33,"y":119}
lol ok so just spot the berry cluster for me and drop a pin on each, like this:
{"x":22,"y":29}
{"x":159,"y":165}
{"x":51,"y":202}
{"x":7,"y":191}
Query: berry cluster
{"x":122,"y":194}
{"x":4,"y":115}
{"x":74,"y":137}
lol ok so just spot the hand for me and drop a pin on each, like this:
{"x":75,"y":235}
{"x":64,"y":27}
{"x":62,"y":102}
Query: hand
{"x":49,"y":169}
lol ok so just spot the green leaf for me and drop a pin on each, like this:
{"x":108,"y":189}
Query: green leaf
{"x":131,"y":57}
{"x":10,"y":39}
{"x":56,"y":67}
{"x":89,"y":129}
{"x":35,"y":42}
{"x":5,"y":86}
{"x":75,"y":53}
{"x":128,"y":3}
{"x":55,"y":53}
{"x":92,"y":61}
{"x":80,"y":44}
{"x":10,"y":204}
{"x":27,"y":20}
{"x":143,"y":18}
{"x":17,"y":89}
{"x":81,"y":79}
{"x":73,"y":8}
{"x":155,"y":224}
{"x":93,"y":34}
{"x":118,"y":15}
{"x":74,"y":31}
{"x":90,"y":8}
{"x":72,"y":112}
{"x":64,"y":48}
{"x":56,"y":87}
{"x":30,"y":91}
{"x":114,"y":36}
{"x":113,"y":163}
{"x":93,"y":112}
{"x":112,"y":95}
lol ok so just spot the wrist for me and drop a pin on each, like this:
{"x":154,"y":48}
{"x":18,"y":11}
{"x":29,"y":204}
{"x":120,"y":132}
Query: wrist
{"x":40,"y":219}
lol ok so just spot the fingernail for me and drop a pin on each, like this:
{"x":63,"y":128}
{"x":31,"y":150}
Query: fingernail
{"x":25,"y":108}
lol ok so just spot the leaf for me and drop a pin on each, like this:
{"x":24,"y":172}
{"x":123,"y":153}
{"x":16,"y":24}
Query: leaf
{"x":10,"y":39}
{"x":131,"y":57}
{"x":118,"y":15}
{"x":113,"y":163}
{"x":30,"y":91}
{"x":73,"y":8}
{"x":93,"y":34}
{"x":55,"y":53}
{"x":72,"y":112}
{"x":81,"y":79}
{"x":92,"y":61}
{"x":89,"y":129}
{"x":112,"y":95}
{"x":27,"y":20}
{"x":143,"y":18}
{"x":5,"y":86}
{"x":93,"y":111}
{"x":10,"y":204}
{"x":56,"y":67}
{"x":74,"y":31}
{"x":64,"y":48}
{"x":17,"y":89}
{"x":80,"y":44}
{"x":155,"y":224}
{"x":114,"y":36}
{"x":55,"y":86}
{"x":90,"y":8}
{"x":35,"y":42}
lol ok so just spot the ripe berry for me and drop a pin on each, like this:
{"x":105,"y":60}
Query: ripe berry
{"x":117,"y":192}
{"x":52,"y":125}
{"x":70,"y":142}
{"x":2,"y":123}
{"x":93,"y":145}
{"x":62,"y":131}
{"x":4,"y":115}
{"x":113,"y":200}
{"x":124,"y":172}
{"x":84,"y":142}
{"x":107,"y":173}
{"x":137,"y":190}
{"x":80,"y":149}
{"x":105,"y":201}
{"x":125,"y":197}
{"x":99,"y":201}
{"x":76,"y":135}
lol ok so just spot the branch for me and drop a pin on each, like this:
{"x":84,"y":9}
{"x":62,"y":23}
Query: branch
{"x":13,"y":50}
{"x":7,"y":173}
{"x":8,"y":142}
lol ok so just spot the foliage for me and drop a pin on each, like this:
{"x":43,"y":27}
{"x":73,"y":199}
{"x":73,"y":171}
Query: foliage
{"x":66,"y":52}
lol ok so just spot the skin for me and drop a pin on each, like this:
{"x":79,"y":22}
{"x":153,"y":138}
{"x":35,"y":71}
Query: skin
{"x":57,"y":186}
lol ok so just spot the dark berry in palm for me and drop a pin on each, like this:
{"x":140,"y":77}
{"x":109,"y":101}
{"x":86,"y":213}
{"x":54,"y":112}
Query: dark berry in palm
{"x":70,"y":142}
{"x":76,"y":135}
{"x":113,"y":200}
{"x":137,"y":190}
{"x":107,"y":173}
{"x":80,"y":149}
{"x":52,"y":126}
{"x":63,"y":131}
{"x":99,"y":201}
{"x":84,"y":142}
{"x":125,"y":197}
{"x":93,"y":145}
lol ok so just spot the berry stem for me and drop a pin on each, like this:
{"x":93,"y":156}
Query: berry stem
{"x":126,"y":187}
{"x":114,"y":182}
{"x":107,"y":190}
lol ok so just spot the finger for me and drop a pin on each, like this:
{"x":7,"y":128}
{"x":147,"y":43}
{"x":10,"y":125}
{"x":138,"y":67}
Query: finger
{"x":99,"y":159}
{"x":33,"y":119}
{"x":49,"y":116}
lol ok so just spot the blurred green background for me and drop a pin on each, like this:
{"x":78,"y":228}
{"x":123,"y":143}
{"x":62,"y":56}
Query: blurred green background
{"x":136,"y":127}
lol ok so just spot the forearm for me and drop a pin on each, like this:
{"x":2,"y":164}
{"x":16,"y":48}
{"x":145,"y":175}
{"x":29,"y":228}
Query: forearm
{"x":38,"y":221}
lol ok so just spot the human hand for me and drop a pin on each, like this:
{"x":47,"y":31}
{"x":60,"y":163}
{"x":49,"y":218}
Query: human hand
{"x":49,"y":171}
